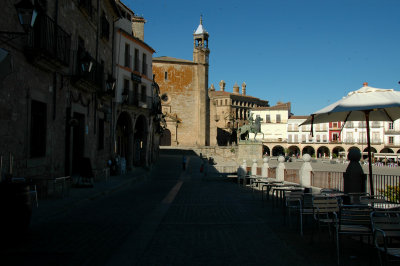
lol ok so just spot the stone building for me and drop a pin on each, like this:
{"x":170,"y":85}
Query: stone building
{"x":56,"y":96}
{"x":57,"y":88}
{"x":183,"y":87}
{"x":137,"y":96}
{"x":229,"y":111}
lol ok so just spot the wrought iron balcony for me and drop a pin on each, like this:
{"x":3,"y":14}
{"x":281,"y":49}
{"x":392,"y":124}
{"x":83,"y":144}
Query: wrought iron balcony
{"x":48,"y":41}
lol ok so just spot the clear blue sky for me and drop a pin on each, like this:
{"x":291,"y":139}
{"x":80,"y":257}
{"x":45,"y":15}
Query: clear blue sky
{"x":308,"y":52}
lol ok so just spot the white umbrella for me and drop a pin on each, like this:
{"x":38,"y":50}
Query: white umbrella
{"x":367,"y":103}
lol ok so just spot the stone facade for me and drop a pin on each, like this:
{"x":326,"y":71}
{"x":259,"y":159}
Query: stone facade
{"x":183,"y":88}
{"x":57,"y":96}
{"x":229,"y":111}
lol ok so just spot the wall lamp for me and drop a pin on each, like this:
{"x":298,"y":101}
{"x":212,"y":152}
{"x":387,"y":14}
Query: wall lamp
{"x":27,"y":17}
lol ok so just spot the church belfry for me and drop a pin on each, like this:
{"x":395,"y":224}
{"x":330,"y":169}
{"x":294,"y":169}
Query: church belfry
{"x":200,"y":49}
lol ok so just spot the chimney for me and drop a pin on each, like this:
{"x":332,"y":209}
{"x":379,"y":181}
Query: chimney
{"x":365,"y":84}
{"x":236,"y":88}
{"x":222,"y":85}
{"x":243,"y":88}
{"x":138,"y":27}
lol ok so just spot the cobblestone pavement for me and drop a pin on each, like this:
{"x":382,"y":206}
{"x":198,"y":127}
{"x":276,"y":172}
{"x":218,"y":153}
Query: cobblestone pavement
{"x":171,"y":217}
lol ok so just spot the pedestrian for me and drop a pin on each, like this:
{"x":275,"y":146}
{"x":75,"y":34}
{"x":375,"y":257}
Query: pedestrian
{"x":184,"y":162}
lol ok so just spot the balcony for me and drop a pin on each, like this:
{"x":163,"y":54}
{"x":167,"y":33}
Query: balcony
{"x":392,"y":131}
{"x":48,"y":44}
{"x":293,"y":129}
{"x":349,"y":141}
{"x":141,"y":100}
{"x":92,"y":80}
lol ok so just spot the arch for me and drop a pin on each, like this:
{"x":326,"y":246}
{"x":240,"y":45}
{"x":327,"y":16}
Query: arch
{"x":278,"y":150}
{"x":266,"y":150}
{"x":336,"y":151}
{"x":365,"y":152}
{"x":323,"y":152}
{"x":165,"y":139}
{"x":386,"y":150}
{"x":293,"y":150}
{"x":309,"y":150}
{"x":123,"y":138}
{"x":140,"y":142}
{"x":398,"y":151}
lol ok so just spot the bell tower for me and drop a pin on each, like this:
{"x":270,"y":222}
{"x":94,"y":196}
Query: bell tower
{"x":200,"y":49}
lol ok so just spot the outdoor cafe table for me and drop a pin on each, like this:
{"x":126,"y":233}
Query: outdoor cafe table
{"x":384,"y":206}
{"x":268,"y":184}
{"x":279,"y":191}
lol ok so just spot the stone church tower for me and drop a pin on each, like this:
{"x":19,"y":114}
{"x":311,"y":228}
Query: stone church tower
{"x":184,"y":94}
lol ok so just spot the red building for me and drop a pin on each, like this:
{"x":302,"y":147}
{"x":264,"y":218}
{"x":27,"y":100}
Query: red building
{"x":335,"y":129}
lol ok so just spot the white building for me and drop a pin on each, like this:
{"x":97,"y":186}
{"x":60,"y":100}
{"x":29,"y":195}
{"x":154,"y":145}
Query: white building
{"x":137,"y":101}
{"x":274,"y":122}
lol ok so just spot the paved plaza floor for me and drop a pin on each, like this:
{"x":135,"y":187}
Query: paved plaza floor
{"x":168,"y":216}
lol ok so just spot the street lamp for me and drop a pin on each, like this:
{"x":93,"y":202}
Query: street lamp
{"x":110,"y":83}
{"x":26,"y":15}
{"x":86,"y":63}
{"x":125,"y":96}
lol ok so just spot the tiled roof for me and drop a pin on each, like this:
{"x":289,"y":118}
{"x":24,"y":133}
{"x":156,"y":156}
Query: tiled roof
{"x":281,"y":106}
{"x":171,"y":59}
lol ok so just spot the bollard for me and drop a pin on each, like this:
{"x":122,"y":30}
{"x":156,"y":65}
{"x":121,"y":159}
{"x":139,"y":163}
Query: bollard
{"x":264,"y":169}
{"x":305,"y":171}
{"x":280,"y":169}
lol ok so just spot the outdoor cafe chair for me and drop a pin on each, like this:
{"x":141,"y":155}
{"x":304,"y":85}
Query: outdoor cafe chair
{"x":353,"y":220}
{"x":301,"y":203}
{"x":386,"y":228}
{"x":293,"y":202}
{"x":326,"y":210}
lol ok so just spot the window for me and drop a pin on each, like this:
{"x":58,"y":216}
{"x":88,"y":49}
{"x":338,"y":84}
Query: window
{"x":391,"y":140}
{"x":127,"y":55}
{"x":105,"y":27}
{"x":335,"y":125}
{"x":165,"y":75}
{"x":390,"y":125}
{"x":335,"y":137}
{"x":278,"y":118}
{"x":144,"y":64}
{"x":226,"y":101}
{"x":267,"y":119}
{"x":100,"y":141}
{"x":137,"y":61}
{"x":38,"y":129}
{"x":143,"y":94}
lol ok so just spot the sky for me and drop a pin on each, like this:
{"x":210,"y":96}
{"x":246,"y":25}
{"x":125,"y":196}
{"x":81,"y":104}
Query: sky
{"x":307,"y":52}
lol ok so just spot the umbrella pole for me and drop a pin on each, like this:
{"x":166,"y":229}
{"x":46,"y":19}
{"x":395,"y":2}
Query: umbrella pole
{"x":371,"y":183}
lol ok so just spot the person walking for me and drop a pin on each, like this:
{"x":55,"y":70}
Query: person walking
{"x":184,"y":162}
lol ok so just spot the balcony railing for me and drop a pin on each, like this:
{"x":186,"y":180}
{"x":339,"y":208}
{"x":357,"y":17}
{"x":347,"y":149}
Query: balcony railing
{"x":392,"y":131}
{"x":49,"y":39}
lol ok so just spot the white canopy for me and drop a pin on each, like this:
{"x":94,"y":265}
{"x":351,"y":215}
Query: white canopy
{"x":382,"y":104}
